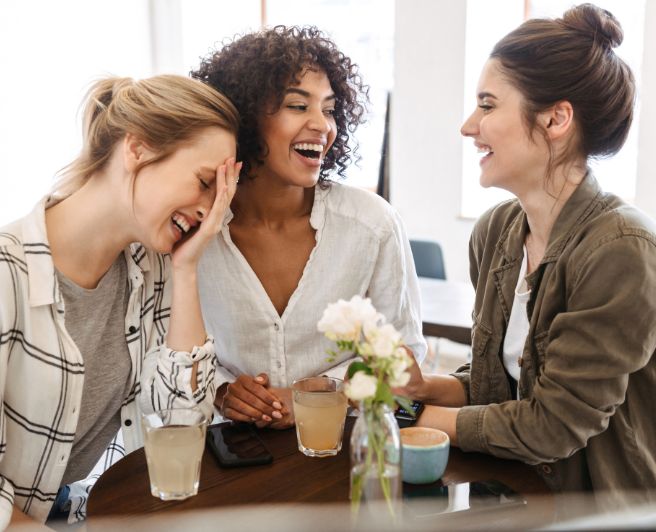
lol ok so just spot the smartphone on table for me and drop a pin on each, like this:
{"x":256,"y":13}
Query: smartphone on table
{"x":236,"y":445}
{"x":407,"y":419}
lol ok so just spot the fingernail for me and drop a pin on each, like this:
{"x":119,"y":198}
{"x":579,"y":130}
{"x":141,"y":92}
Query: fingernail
{"x":259,"y":379}
{"x":277,"y":405}
{"x":267,"y":418}
{"x":277,"y":414}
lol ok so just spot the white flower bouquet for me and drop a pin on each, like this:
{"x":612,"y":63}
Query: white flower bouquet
{"x":381,"y":365}
{"x":357,"y":328}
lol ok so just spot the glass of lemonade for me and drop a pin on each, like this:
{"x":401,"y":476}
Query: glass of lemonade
{"x":174,"y":440}
{"x":320,"y":411}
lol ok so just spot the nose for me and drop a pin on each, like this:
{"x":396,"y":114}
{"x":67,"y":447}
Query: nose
{"x":470,"y":127}
{"x":204,"y":207}
{"x":319,"y":121}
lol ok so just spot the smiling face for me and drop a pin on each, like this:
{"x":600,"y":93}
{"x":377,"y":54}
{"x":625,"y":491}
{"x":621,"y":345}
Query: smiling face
{"x":174,"y":195}
{"x":512,"y":158}
{"x":300,"y":133}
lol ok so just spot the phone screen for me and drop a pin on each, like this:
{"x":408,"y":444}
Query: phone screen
{"x":237,"y":444}
{"x":432,"y":499}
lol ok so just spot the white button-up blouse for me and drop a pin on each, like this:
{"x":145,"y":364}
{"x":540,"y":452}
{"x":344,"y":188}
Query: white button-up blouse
{"x":361,"y":248}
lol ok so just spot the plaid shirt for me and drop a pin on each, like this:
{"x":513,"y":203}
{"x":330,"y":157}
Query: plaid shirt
{"x":42,"y":370}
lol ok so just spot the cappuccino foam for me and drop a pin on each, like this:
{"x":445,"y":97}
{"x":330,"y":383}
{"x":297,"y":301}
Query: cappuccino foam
{"x":422,"y":436}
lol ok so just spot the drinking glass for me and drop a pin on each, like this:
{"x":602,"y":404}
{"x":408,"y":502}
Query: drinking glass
{"x":320,"y":411}
{"x":174,"y":441}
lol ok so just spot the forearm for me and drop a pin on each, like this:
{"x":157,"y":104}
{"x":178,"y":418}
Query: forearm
{"x":442,"y":418}
{"x":441,"y":390}
{"x":186,"y":327}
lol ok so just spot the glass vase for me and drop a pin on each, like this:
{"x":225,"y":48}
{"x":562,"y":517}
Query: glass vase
{"x":376,"y":462}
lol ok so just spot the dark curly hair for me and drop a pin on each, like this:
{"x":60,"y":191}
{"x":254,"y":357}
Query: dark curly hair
{"x":254,"y":71}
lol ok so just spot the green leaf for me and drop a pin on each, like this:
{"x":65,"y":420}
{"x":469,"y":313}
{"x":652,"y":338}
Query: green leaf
{"x":384,"y":394}
{"x":358,"y":366}
{"x":405,"y":403}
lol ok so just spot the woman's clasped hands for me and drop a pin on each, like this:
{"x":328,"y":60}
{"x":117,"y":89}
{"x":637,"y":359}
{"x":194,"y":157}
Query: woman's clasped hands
{"x":253,"y":400}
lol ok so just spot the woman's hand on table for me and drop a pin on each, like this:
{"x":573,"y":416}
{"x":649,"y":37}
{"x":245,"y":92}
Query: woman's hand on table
{"x":249,"y":399}
{"x":287,"y":419}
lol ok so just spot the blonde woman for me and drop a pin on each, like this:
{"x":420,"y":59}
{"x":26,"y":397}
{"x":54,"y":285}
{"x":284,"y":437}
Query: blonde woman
{"x":99,"y":312}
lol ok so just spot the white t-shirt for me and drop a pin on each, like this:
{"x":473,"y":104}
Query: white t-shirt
{"x":513,"y":345}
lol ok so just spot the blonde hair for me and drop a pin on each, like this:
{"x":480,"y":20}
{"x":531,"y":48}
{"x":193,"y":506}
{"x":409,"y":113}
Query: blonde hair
{"x":162,"y":111}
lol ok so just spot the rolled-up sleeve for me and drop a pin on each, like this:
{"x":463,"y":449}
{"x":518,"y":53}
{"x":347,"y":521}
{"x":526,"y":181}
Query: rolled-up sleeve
{"x":606,"y":334}
{"x":166,"y":378}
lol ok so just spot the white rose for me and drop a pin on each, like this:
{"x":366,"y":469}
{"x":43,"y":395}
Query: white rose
{"x":398,"y":374}
{"x":361,"y":386}
{"x":399,"y":379}
{"x":383,"y":340}
{"x":344,"y":320}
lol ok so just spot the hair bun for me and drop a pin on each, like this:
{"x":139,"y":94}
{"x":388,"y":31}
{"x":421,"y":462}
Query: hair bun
{"x":599,"y":23}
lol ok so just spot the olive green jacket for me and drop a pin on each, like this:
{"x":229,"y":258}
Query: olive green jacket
{"x":587,"y":416}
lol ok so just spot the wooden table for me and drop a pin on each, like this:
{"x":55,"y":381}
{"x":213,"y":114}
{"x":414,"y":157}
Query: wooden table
{"x":124,"y":490}
{"x":446,"y":308}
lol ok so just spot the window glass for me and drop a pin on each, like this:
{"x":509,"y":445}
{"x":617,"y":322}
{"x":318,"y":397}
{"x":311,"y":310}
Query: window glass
{"x":49,"y":53}
{"x":207,"y":23}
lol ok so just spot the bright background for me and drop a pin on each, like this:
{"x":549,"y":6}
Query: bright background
{"x":428,"y":53}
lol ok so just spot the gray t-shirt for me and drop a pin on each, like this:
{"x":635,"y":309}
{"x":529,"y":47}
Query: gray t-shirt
{"x":95,"y":319}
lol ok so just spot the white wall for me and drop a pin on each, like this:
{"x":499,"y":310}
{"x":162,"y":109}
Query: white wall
{"x":425,"y":144}
{"x":646,"y":182}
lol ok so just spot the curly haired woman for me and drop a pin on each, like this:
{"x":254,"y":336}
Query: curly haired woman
{"x":294,"y":240}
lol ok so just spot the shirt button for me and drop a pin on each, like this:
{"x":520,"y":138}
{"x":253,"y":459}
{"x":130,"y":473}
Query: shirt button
{"x":132,"y":329}
{"x":278,"y":364}
{"x":276,"y":326}
{"x":546,"y":469}
{"x":74,"y":409}
{"x":128,"y":422}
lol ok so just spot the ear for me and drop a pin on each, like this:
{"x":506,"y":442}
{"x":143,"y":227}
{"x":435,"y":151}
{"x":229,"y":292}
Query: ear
{"x":135,"y":152}
{"x":558,"y":121}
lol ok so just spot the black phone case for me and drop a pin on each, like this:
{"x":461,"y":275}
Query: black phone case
{"x":405,"y":419}
{"x":237,"y":445}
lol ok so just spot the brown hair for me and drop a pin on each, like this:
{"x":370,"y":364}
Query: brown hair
{"x":572,"y":58}
{"x":255,"y":69}
{"x":162,"y":111}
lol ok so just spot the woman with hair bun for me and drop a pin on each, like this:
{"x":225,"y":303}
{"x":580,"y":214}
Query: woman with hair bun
{"x":563,"y":371}
{"x":99,"y":312}
{"x":295,"y":241}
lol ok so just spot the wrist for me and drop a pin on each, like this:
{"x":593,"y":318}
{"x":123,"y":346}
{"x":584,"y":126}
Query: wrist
{"x":424,"y":392}
{"x":219,"y":396}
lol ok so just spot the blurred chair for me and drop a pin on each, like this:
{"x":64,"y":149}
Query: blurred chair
{"x":428,"y":258}
{"x":443,"y":356}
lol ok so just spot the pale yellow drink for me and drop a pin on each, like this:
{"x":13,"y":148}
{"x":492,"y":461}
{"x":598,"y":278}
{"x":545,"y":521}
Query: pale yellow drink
{"x":320,"y":419}
{"x":173,"y":454}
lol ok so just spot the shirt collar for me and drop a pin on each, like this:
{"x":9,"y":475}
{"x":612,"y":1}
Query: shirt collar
{"x":43,"y":285}
{"x":576,"y":209}
{"x":317,"y":216}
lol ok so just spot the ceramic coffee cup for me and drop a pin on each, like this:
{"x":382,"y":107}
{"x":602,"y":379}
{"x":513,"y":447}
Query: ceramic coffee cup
{"x":425,"y":454}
